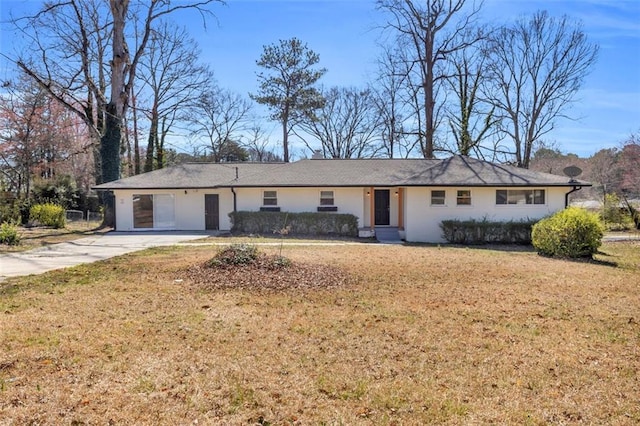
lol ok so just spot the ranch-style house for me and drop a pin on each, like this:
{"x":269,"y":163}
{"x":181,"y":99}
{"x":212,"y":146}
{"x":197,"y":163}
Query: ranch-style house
{"x":412,"y":195}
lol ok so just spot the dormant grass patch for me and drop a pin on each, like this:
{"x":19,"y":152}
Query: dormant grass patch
{"x":415,"y":335}
{"x":35,"y":237}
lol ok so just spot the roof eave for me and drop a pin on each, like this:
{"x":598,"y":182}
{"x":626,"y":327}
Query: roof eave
{"x":333,"y":185}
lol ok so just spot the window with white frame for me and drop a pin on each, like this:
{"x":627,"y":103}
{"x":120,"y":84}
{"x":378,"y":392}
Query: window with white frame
{"x":463,"y":197}
{"x":270,"y":198}
{"x":154,"y":211}
{"x":520,"y":196}
{"x":438,"y":197}
{"x":326,"y":198}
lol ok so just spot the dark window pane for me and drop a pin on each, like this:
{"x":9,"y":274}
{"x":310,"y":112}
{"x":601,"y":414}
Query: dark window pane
{"x":501,"y":196}
{"x":270,"y":198}
{"x":438,"y":197}
{"x":143,"y":211}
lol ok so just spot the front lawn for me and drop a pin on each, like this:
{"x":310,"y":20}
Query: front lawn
{"x":414,"y":335}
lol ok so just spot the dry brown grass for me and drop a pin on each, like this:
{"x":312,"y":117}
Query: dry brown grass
{"x":31,"y":238}
{"x":419,"y":335}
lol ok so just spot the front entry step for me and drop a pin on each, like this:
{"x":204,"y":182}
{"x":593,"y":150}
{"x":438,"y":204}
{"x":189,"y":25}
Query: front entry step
{"x":388,"y":235}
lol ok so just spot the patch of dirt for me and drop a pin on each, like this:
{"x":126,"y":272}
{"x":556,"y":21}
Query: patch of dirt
{"x":263,"y":275}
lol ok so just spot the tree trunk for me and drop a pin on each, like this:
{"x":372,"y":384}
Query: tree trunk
{"x":112,"y":137}
{"x":110,"y":146}
{"x":151,"y":144}
{"x":136,"y":144}
{"x":160,"y":146}
{"x":110,"y":161}
{"x":429,"y":104}
{"x":285,"y":140}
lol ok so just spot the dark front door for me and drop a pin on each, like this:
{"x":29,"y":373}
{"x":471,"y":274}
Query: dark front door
{"x":382,"y":206}
{"x":211,"y":212}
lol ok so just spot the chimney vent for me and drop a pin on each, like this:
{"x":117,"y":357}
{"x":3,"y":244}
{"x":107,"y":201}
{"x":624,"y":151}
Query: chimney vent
{"x":317,"y":155}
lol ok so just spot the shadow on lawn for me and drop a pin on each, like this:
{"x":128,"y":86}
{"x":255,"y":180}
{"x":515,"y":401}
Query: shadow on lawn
{"x":600,"y":258}
{"x":521,"y":248}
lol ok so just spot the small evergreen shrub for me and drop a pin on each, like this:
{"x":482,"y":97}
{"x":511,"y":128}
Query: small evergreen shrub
{"x":62,"y":191}
{"x":9,"y":234}
{"x":235,"y":254}
{"x":572,"y":232}
{"x":279,"y":262}
{"x":48,"y":215}
{"x":614,"y":215}
{"x":247,"y":255}
{"x":635,"y":215}
{"x":10,"y":212}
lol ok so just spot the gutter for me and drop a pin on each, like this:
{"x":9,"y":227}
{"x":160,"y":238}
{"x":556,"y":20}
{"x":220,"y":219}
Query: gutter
{"x":566,"y":196}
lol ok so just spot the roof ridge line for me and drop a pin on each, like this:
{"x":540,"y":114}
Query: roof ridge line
{"x":279,"y":164}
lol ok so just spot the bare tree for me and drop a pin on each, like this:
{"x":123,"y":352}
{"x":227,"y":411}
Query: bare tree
{"x":389,"y":97}
{"x":605,"y":171}
{"x":471,"y":118}
{"x":68,"y":58}
{"x":218,"y":117}
{"x":431,"y":34}
{"x":256,"y":142}
{"x":21,"y":109}
{"x":346,"y":126}
{"x":170,"y":72}
{"x":39,"y":139}
{"x":538,"y":66}
{"x":629,"y":155}
{"x":286,"y":86}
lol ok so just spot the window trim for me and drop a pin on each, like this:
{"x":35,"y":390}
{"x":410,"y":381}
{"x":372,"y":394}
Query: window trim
{"x":142,"y":211}
{"x":460,"y":197}
{"x":444,"y":197}
{"x":534,"y":194}
{"x":265,"y":198}
{"x":158,"y":213}
{"x":332,"y":198}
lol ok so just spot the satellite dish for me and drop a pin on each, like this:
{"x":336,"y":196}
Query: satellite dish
{"x":572,"y":172}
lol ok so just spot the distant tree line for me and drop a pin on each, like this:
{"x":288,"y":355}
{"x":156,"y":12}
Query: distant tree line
{"x":610,"y":170}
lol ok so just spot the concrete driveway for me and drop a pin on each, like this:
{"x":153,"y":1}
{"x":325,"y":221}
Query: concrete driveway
{"x":87,"y":250}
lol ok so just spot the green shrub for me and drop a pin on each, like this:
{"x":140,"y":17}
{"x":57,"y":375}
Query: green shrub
{"x":614,"y":215}
{"x":635,"y":215}
{"x":9,"y":234}
{"x":48,"y":215}
{"x":24,"y":206}
{"x":10,"y":212}
{"x":235,"y":254}
{"x":279,"y":262}
{"x":62,"y":191}
{"x":485,"y":231}
{"x":572,"y":232}
{"x":311,"y":223}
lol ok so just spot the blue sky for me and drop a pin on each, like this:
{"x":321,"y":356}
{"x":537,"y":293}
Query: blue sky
{"x":344,"y":34}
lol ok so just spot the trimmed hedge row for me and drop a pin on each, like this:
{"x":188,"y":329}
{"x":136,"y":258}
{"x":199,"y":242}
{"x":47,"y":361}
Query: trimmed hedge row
{"x":485,"y":231}
{"x":295,"y":223}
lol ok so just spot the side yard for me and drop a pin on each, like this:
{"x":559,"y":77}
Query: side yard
{"x":35,"y":237}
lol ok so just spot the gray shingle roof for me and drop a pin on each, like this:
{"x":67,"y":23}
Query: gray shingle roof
{"x":454,"y":171}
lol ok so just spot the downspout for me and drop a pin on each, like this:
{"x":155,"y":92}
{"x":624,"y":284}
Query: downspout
{"x":115,"y":206}
{"x":233,"y":191}
{"x":566,"y":196}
